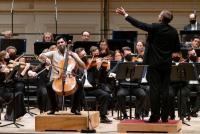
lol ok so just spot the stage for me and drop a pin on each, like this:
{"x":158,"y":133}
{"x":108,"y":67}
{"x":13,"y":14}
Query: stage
{"x":29,"y":125}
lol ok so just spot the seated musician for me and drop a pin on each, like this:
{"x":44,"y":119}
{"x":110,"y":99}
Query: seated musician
{"x":12,"y":51}
{"x":6,"y":90}
{"x":7,"y":34}
{"x":96,"y":77}
{"x":139,"y":49}
{"x":54,"y":58}
{"x":85,"y":36}
{"x":42,"y":72}
{"x":117,"y":55}
{"x":104,"y":49}
{"x":125,"y":89}
{"x":178,"y":89}
{"x":47,"y":37}
{"x":195,"y":43}
{"x":192,"y":58}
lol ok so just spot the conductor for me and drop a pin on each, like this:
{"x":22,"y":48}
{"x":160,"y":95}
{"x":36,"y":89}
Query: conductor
{"x":162,"y":41}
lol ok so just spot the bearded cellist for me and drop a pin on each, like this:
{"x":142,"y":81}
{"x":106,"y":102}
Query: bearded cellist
{"x":54,"y":58}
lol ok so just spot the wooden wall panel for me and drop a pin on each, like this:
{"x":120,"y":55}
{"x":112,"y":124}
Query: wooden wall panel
{"x":74,"y":16}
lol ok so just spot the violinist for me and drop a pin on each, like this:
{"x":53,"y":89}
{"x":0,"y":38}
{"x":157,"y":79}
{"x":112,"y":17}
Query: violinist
{"x":12,"y":51}
{"x":6,"y":92}
{"x":96,"y":77}
{"x":42,"y":72}
{"x":117,"y":55}
{"x":47,"y":37}
{"x":104,"y":50}
{"x":139,"y":49}
{"x":54,"y":58}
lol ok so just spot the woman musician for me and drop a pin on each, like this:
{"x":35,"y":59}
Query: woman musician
{"x":6,"y":91}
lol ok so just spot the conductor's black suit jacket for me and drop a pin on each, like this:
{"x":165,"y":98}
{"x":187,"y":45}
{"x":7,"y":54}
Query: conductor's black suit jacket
{"x":162,"y":41}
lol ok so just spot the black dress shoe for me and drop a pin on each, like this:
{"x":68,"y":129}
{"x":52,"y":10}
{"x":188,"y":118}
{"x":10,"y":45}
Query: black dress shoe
{"x":76,"y":112}
{"x":105,"y":120}
{"x":51,"y":112}
{"x":164,"y":120}
{"x":153,"y":119}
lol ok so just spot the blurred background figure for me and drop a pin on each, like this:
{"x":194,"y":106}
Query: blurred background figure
{"x":7,"y":34}
{"x":194,"y":25}
{"x":85,"y":36}
{"x":47,"y":37}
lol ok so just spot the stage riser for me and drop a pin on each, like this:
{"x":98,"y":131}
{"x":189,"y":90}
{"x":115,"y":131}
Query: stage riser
{"x":142,"y":126}
{"x":63,"y":121}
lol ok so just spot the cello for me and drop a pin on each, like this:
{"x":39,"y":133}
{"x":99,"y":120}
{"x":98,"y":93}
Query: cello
{"x":66,"y":83}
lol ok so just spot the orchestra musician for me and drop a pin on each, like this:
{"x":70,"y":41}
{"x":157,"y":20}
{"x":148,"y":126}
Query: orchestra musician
{"x":104,"y":49}
{"x":47,"y":37}
{"x":12,"y":51}
{"x":96,"y":75}
{"x":178,"y":89}
{"x":42,"y":79}
{"x":53,"y":58}
{"x":161,"y":42}
{"x":6,"y":90}
{"x":140,"y":48}
{"x":192,"y":58}
{"x":85,"y":36}
{"x":194,"y":25}
{"x":126,"y":89}
{"x":117,"y":55}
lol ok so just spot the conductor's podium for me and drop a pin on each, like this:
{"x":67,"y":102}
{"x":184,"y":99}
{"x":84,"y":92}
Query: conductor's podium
{"x":141,"y":126}
{"x":63,"y":121}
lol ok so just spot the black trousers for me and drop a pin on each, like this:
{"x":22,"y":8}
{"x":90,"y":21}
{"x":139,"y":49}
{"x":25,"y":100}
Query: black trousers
{"x":196,"y":104}
{"x":182,"y":92}
{"x":159,"y":81}
{"x":42,"y":98}
{"x":131,"y":90}
{"x":103,"y":98}
{"x":54,"y":99}
{"x":6,"y":95}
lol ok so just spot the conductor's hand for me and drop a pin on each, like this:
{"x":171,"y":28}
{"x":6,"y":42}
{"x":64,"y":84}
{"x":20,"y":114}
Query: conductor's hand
{"x":120,"y":11}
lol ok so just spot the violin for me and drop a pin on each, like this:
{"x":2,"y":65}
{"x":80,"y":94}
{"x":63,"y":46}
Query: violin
{"x":66,"y":83}
{"x":98,"y":62}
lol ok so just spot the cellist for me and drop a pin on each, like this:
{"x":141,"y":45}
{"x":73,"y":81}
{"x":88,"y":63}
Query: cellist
{"x":54,"y":58}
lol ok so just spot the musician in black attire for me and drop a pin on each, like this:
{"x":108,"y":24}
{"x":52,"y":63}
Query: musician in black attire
{"x":192,"y":58}
{"x":96,"y":77}
{"x":6,"y":91}
{"x":162,"y":41}
{"x":104,"y":50}
{"x":127,"y":87}
{"x":42,"y":79}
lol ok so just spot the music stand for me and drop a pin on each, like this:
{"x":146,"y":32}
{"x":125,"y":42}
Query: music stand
{"x":88,"y":129}
{"x":188,"y":35}
{"x":40,"y":46}
{"x":85,"y":44}
{"x":19,"y":44}
{"x":11,"y":76}
{"x":184,"y":72}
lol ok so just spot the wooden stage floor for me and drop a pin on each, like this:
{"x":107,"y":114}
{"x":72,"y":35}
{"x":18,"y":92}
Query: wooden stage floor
{"x":29,"y":125}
